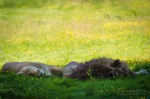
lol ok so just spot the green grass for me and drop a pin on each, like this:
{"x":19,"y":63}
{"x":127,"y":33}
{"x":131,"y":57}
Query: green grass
{"x":56,"y":87}
{"x":57,"y":32}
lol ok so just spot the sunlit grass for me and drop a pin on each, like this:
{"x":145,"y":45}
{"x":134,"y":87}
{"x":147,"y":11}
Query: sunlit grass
{"x":89,"y":39}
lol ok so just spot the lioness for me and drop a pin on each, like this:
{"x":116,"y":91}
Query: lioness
{"x":33,"y":71}
{"x":17,"y":66}
{"x":69,"y":68}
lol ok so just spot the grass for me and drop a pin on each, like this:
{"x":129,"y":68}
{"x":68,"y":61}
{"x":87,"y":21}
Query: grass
{"x":57,"y":32}
{"x":56,"y":87}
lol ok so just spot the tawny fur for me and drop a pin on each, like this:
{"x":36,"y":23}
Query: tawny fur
{"x":101,"y":67}
{"x":17,"y":66}
{"x":31,"y":71}
{"x":69,"y":68}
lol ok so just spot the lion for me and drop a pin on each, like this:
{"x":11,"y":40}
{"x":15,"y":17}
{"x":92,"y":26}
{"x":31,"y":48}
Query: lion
{"x":33,"y":71}
{"x":69,"y":68}
{"x":17,"y":66}
{"x":100,"y":67}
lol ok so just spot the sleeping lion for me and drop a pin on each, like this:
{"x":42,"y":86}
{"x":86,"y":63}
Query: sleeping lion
{"x":101,"y":67}
{"x":18,"y":66}
{"x":33,"y":71}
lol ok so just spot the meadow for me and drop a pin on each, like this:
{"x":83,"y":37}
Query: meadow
{"x":56,"y":32}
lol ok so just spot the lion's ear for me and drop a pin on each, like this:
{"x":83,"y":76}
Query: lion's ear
{"x":116,"y":63}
